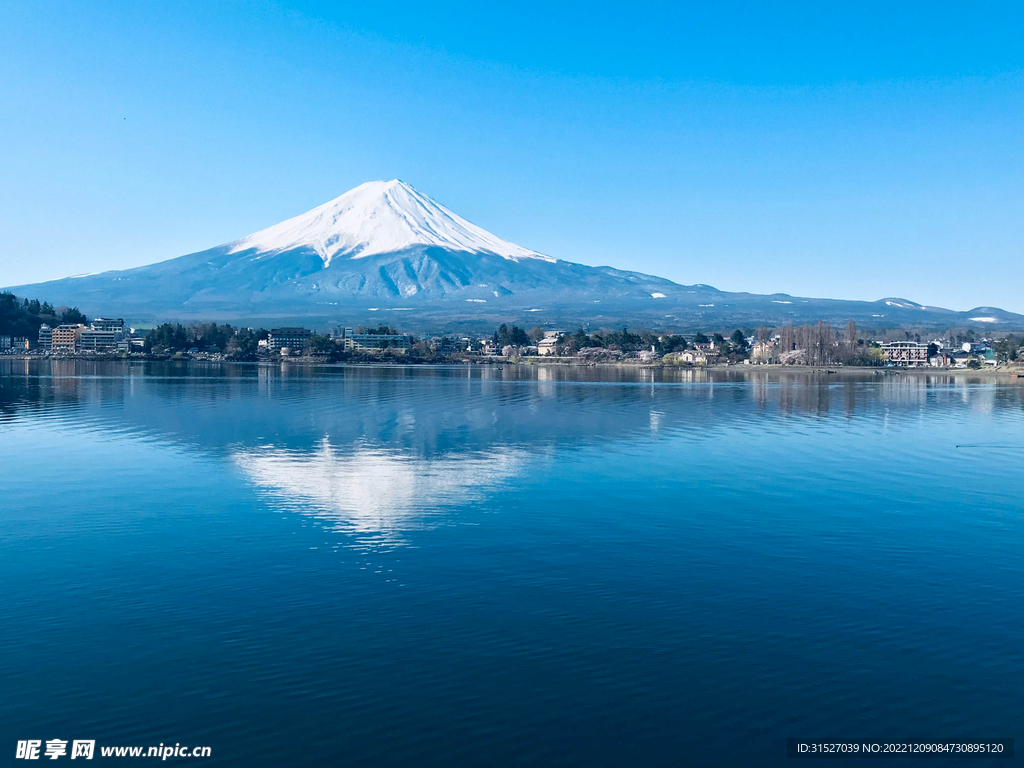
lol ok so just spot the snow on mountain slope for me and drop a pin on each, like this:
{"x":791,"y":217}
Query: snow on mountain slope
{"x":384,"y":247}
{"x":379,"y":217}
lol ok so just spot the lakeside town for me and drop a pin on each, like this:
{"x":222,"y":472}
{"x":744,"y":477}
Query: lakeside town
{"x":66,"y":332}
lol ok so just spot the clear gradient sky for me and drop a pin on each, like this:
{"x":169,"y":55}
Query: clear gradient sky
{"x":849,"y":150}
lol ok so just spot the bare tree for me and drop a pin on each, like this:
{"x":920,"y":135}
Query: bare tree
{"x":826,"y":342}
{"x":816,"y":341}
{"x":787,"y":338}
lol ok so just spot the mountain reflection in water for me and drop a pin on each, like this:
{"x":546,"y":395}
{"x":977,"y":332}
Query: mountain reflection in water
{"x":373,"y":490}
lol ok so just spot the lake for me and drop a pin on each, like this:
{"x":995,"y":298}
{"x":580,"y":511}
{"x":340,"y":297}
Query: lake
{"x":500,"y":565}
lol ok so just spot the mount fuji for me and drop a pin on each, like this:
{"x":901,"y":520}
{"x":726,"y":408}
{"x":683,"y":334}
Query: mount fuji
{"x":375,"y":218}
{"x":386,"y":247}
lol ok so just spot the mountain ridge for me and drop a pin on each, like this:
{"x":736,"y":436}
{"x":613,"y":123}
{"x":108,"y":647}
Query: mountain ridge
{"x":386,"y":247}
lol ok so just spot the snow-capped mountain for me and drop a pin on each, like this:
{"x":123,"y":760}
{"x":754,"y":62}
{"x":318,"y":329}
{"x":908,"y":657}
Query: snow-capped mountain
{"x":379,"y":217}
{"x":381,"y":244}
{"x":385,"y":247}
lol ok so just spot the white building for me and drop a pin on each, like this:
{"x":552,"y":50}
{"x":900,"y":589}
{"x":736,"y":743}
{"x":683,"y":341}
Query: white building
{"x":697,"y":357}
{"x":547,"y":346}
{"x":763,"y":352}
{"x":399,"y":342}
{"x":906,"y":352}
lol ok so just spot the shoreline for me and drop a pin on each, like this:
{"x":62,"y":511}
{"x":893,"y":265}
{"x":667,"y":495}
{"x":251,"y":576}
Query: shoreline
{"x":1012,"y":373}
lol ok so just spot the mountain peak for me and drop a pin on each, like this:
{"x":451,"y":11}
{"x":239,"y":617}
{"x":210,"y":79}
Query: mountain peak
{"x":379,"y":217}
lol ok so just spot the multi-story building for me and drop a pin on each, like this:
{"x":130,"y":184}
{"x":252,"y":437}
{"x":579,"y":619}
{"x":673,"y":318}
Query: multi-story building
{"x":45,"y":336}
{"x":104,"y":324}
{"x":95,"y":340}
{"x":375,"y":341}
{"x":763,"y":352}
{"x":292,"y":338}
{"x":906,"y":352}
{"x":102,"y":334}
{"x":547,"y":346}
{"x":131,"y":344}
{"x":448,"y":346}
{"x":65,"y":337}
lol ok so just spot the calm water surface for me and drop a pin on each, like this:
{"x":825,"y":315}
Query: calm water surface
{"x":502,"y":566}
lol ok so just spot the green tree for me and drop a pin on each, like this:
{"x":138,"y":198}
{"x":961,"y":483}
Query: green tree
{"x":671,"y":343}
{"x":210,"y":337}
{"x":380,"y":330}
{"x":245,"y":343}
{"x":22,"y":317}
{"x":510,"y":335}
{"x":169,"y":337}
{"x":1007,"y":349}
{"x":71,"y":316}
{"x":321,"y":344}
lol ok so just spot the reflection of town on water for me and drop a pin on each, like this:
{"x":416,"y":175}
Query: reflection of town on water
{"x":384,"y":449}
{"x":489,"y":404}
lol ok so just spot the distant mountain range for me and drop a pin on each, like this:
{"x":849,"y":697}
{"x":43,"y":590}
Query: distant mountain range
{"x":384,"y":252}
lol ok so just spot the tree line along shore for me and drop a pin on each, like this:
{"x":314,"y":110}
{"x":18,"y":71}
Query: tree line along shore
{"x":24,"y":324}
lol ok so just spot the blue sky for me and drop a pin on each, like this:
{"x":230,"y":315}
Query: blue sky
{"x":851,"y":150}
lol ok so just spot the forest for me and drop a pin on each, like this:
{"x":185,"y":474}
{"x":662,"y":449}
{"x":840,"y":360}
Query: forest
{"x":22,"y":317}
